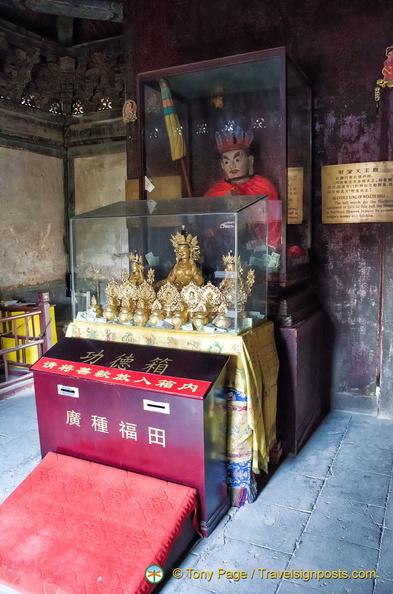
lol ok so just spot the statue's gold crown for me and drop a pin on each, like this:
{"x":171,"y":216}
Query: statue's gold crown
{"x":235,"y":139}
{"x":229,"y":258}
{"x":185,"y":238}
{"x":135,"y":257}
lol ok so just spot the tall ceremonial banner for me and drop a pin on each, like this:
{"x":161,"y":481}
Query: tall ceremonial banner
{"x":173,"y":127}
{"x":175,"y":132}
{"x":358,"y":193}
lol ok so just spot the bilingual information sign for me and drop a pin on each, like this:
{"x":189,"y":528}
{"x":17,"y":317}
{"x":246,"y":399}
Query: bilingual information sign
{"x":358,"y":193}
{"x":295,"y":195}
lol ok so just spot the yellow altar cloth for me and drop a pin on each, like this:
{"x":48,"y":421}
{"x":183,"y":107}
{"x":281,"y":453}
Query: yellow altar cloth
{"x":251,"y":385}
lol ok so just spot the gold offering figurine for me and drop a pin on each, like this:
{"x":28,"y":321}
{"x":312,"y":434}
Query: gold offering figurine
{"x":136,"y":293}
{"x":157,"y":315}
{"x":169,"y":298}
{"x":187,"y":253}
{"x":222,"y":321}
{"x":136,"y":261}
{"x":128,"y":295}
{"x":228,"y":285}
{"x":112,"y":301}
{"x":96,"y":307}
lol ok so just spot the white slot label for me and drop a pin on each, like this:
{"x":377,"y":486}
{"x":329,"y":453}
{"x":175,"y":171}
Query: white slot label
{"x":154,"y":406}
{"x":68,"y":391}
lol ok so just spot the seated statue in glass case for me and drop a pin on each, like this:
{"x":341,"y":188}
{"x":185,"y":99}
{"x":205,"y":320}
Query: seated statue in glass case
{"x":240,"y":180}
{"x":185,"y":270}
{"x":187,"y":253}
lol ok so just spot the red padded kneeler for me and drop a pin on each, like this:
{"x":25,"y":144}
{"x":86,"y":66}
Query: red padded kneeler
{"x":76,"y":526}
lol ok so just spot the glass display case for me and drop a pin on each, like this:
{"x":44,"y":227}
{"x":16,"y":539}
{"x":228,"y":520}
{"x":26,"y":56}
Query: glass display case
{"x":193,"y":264}
{"x":239,"y":125}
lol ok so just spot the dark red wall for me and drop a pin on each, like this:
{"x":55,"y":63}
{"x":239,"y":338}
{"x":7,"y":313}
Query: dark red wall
{"x":340,"y":46}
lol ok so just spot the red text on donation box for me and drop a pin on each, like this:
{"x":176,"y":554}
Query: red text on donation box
{"x":152,"y":410}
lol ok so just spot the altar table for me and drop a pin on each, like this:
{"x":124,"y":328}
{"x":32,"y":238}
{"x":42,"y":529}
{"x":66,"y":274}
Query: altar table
{"x":251,"y":385}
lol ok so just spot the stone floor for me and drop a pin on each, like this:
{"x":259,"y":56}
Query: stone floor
{"x":321,"y":516}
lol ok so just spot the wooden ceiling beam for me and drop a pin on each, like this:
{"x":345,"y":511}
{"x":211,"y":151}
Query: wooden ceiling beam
{"x":65,"y":30}
{"x":98,"y":10}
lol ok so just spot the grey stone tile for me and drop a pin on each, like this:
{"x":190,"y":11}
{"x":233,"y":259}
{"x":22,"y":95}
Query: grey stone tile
{"x":383,"y":586}
{"x":371,"y":421}
{"x":23,"y":403}
{"x":351,"y":456}
{"x":291,"y":489}
{"x":289,"y":587}
{"x":362,"y":486}
{"x":12,"y":477}
{"x":183,"y":586}
{"x":389,"y":512}
{"x":15,"y":422}
{"x":385,"y":569}
{"x":336,"y":419}
{"x":319,"y":553}
{"x":268,"y":525}
{"x":15,"y":451}
{"x":324,"y":438}
{"x":314,"y":462}
{"x":369,"y":430}
{"x":315,"y":458}
{"x":343,"y":519}
{"x":231,"y":556}
{"x":19,"y":425}
{"x":4,"y":439}
{"x":20,"y":448}
{"x":216,"y":538}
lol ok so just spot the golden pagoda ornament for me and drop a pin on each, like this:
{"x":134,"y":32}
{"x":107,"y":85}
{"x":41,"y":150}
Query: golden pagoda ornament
{"x":170,"y":299}
{"x":112,"y":301}
{"x":191,"y":296}
{"x":235,"y":288}
{"x":222,"y":321}
{"x":200,"y":317}
{"x":156,"y":315}
{"x":136,"y":263}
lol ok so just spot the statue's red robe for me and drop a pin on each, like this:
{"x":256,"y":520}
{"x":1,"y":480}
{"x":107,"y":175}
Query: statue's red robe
{"x":257,"y":185}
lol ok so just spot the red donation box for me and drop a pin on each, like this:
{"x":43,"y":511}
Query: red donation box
{"x":156,"y":411}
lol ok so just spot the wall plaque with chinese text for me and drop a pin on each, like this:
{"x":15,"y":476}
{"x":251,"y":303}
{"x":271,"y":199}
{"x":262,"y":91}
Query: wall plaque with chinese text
{"x":358,"y":193}
{"x":295,"y":195}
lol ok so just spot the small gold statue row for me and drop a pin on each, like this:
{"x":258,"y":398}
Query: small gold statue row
{"x":182,"y":297}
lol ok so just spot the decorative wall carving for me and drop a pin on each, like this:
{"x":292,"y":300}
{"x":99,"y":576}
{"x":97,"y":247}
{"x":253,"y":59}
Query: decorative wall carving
{"x":99,"y":76}
{"x":16,"y":69}
{"x":34,"y":76}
